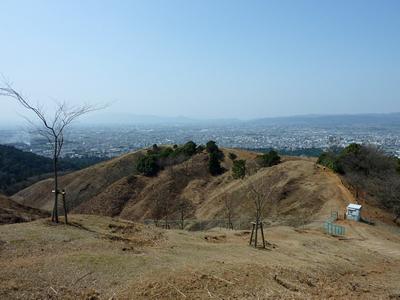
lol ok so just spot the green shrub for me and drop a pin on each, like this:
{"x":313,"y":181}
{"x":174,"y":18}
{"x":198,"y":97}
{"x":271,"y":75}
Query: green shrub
{"x":232,"y":156}
{"x":330,"y":161}
{"x":189,"y":148}
{"x":398,"y":165}
{"x":215,"y":157}
{"x":211,"y":146}
{"x":165,"y":152}
{"x":214,"y":164}
{"x":159,"y":157}
{"x":200,"y":148}
{"x":270,"y":159}
{"x":147,"y":165}
{"x":352,"y":149}
{"x":239,"y":169}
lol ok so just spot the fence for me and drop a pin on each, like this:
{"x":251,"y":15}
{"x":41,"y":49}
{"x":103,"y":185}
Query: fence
{"x":333,"y":229}
{"x":199,"y":225}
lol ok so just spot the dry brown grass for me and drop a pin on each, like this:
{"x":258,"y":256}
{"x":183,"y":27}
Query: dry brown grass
{"x":113,"y":189}
{"x":105,"y":258}
{"x":13,"y":212}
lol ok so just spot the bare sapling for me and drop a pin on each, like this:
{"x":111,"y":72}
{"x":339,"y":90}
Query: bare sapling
{"x":52,"y":127}
{"x":261,"y":193}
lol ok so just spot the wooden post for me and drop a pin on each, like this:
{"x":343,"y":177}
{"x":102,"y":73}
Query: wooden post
{"x":54,"y":214}
{"x":262,"y":234}
{"x":255,"y":239}
{"x":252,"y":232}
{"x":65,"y":206}
{"x":182,"y":219}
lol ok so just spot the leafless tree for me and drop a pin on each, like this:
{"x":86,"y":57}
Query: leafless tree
{"x":52,"y":128}
{"x":392,"y":196}
{"x":228,"y":204}
{"x":261,"y":192}
{"x":169,"y":198}
{"x":157,"y":211}
{"x":183,"y":207}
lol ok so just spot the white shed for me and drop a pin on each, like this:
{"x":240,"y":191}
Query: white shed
{"x":353,"y":212}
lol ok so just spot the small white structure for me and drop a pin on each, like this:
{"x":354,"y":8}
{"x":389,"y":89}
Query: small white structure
{"x":353,"y":212}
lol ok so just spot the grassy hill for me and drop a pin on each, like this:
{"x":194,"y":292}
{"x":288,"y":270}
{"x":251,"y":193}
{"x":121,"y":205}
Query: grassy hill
{"x":114,"y":188}
{"x":104,"y":254}
{"x":107,"y":258}
{"x":19,"y":169}
{"x":12,"y":212}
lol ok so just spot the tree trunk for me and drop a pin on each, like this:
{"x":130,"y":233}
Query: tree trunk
{"x":182,"y":219}
{"x":55,"y":164}
{"x":255,"y":237}
{"x":230,"y":225}
{"x":166,"y":221}
{"x":262,"y":234}
{"x":65,"y":208}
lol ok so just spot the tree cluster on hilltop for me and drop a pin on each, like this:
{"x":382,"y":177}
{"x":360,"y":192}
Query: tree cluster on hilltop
{"x":369,"y":170}
{"x":269,"y":159}
{"x":215,"y":156}
{"x":159,"y":157}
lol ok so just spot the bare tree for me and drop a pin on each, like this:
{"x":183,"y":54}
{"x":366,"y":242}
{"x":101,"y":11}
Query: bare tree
{"x":392,"y":195}
{"x":157,"y":211}
{"x":169,"y":198}
{"x":261,"y":193}
{"x":228,"y":204}
{"x":52,"y":128}
{"x":183,"y":207}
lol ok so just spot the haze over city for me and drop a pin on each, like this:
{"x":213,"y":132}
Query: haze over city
{"x":185,"y":149}
{"x":202,"y":60}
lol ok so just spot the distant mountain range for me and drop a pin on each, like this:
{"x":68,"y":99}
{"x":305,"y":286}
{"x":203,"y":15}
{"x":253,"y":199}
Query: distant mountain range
{"x":116,"y":119}
{"x":312,"y":120}
{"x":332,"y":120}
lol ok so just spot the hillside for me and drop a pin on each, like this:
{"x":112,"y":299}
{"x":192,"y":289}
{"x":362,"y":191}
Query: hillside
{"x":103,"y":254}
{"x":81,"y":185}
{"x":114,"y":188}
{"x":107,"y":258}
{"x":19,"y":169}
{"x":12,"y":212}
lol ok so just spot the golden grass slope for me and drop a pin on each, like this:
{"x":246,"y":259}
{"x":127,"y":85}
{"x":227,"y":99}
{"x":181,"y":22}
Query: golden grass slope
{"x":98,"y":257}
{"x":113,"y":189}
{"x":13,"y":212}
{"x":81,"y":185}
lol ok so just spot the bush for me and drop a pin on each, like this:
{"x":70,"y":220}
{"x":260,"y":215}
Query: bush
{"x":232,"y":156}
{"x":159,"y":157}
{"x":200,"y":148}
{"x":147,"y":165}
{"x":369,"y":172}
{"x":239,"y":169}
{"x":215,"y":158}
{"x":214,"y":165}
{"x":330,"y":161}
{"x":165,"y":152}
{"x":189,"y":148}
{"x":211,"y":146}
{"x":270,"y":159}
{"x":352,"y":149}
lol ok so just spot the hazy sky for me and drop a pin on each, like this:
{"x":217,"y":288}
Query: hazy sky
{"x":205,"y":59}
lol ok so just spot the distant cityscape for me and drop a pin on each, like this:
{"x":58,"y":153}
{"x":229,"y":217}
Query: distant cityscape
{"x":111,"y":141}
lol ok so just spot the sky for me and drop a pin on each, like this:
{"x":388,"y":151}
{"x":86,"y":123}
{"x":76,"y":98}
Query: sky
{"x":204,"y":59}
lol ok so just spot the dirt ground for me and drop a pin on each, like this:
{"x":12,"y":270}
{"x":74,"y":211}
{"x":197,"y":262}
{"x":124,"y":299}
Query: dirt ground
{"x":104,"y":258}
